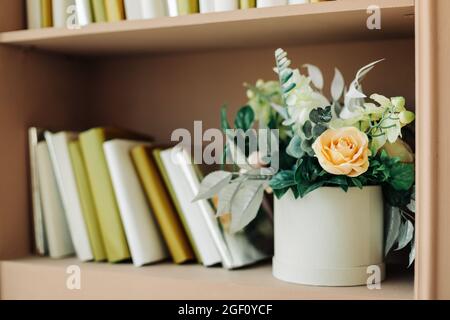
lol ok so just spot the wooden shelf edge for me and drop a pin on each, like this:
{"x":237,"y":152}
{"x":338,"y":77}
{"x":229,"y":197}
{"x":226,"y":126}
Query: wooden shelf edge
{"x":57,"y":39}
{"x":44,"y":278}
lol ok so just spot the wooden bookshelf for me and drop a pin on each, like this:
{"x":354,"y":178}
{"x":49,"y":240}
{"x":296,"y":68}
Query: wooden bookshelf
{"x":335,"y":21}
{"x":26,"y":278}
{"x":158,"y":75}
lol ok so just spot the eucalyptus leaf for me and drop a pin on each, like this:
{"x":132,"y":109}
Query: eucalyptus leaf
{"x":318,"y":130}
{"x":406,"y":235}
{"x":307,"y":129}
{"x":212,"y":184}
{"x":393,"y":221}
{"x":246,"y":204}
{"x":283,"y":179}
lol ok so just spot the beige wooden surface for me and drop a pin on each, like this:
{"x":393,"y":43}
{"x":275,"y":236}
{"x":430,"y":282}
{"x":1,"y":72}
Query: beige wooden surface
{"x":37,"y":278}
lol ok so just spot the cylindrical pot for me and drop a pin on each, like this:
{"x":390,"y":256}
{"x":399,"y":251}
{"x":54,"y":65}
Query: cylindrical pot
{"x":330,"y":237}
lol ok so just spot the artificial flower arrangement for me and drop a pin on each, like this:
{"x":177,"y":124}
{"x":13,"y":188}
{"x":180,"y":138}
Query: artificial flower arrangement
{"x":350,"y":141}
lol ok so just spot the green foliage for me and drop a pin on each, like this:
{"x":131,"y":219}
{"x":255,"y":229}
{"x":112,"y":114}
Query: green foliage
{"x":244,"y":118}
{"x":395,"y":177}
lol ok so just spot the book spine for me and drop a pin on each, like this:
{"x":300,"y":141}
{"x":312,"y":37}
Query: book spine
{"x":115,"y":10}
{"x":171,"y":228}
{"x":187,"y":7}
{"x":153,"y":8}
{"x":34,"y":16}
{"x":58,"y":235}
{"x":84,"y":12}
{"x":247,"y":4}
{"x":61,"y":12}
{"x":206,"y":6}
{"x":133,"y":9}
{"x":103,"y":193}
{"x":65,"y":178}
{"x":226,"y":5}
{"x":38,"y":219}
{"x":144,"y":239}
{"x":87,"y":202}
{"x":99,"y":11}
{"x":299,"y":1}
{"x":46,"y":13}
{"x":172,"y":8}
{"x":271,"y":3}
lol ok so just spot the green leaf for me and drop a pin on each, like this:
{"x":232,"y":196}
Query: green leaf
{"x":412,"y":253}
{"x":405,"y":235}
{"x":226,"y":196}
{"x":282,"y":180}
{"x":318,"y":130}
{"x":212,"y":184}
{"x":307,"y":129}
{"x":223,"y":118}
{"x":340,"y":181}
{"x":393,"y":220}
{"x":306,"y":188}
{"x":326,"y":114}
{"x":246,"y":204}
{"x":245,"y":118}
{"x":294,"y":148}
{"x":279,"y":193}
{"x":314,"y":116}
{"x":402,"y":176}
{"x":357,"y":182}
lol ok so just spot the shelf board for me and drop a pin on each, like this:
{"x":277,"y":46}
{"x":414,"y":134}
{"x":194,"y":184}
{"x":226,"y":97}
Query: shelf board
{"x":333,"y":21}
{"x":43,"y":278}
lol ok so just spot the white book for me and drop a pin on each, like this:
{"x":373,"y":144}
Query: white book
{"x":58,"y":235}
{"x":133,"y":9}
{"x":58,"y":145}
{"x":206,"y":6}
{"x":144,"y":238}
{"x":271,"y":3}
{"x":226,"y":5}
{"x":298,"y":1}
{"x":191,"y":211}
{"x":84,"y":12}
{"x":34,"y":14}
{"x":61,"y":12}
{"x":238,"y":249}
{"x":153,"y":8}
{"x":34,"y":135}
{"x":172,"y":8}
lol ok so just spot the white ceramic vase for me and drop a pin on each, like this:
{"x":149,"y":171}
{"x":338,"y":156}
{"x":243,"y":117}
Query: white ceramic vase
{"x":330,"y":238}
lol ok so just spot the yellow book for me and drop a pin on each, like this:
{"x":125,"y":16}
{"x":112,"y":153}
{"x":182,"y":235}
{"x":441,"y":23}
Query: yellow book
{"x":87,"y":202}
{"x":98,"y":10}
{"x":103,"y":193}
{"x":168,"y":220}
{"x":173,"y":196}
{"x":187,"y":7}
{"x":115,"y":10}
{"x":46,"y":13}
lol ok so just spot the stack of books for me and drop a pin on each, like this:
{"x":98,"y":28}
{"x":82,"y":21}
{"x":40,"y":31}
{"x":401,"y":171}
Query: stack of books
{"x":112,"y":195}
{"x":71,"y":13}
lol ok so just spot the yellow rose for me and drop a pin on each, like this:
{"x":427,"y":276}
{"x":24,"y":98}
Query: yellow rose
{"x":344,"y":151}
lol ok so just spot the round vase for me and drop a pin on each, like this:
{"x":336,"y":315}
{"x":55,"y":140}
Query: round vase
{"x":330,"y":237}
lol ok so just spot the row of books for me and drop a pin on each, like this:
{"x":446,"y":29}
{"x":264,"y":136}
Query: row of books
{"x":112,"y":195}
{"x":60,"y":13}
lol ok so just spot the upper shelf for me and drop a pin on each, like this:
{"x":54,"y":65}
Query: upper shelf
{"x":340,"y":20}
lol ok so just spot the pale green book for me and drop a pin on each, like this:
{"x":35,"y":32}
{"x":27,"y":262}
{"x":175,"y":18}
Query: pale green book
{"x":87,"y":202}
{"x":103,"y":193}
{"x":246,"y":4}
{"x":187,"y":7}
{"x":99,"y":11}
{"x":176,"y":203}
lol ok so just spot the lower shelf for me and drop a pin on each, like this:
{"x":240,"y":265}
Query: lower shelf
{"x":44,"y":278}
